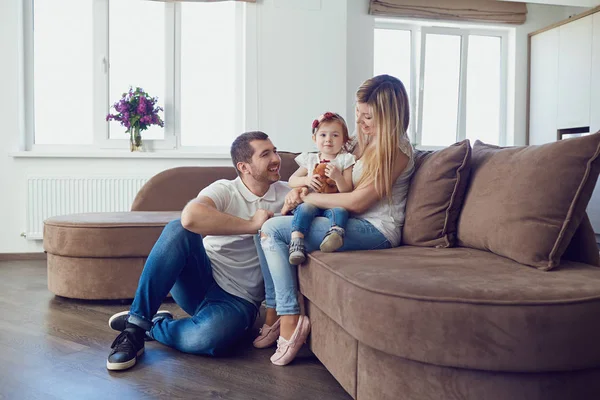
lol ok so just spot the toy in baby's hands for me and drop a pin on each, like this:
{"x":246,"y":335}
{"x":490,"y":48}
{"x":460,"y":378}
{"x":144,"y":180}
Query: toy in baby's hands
{"x":329,"y":185}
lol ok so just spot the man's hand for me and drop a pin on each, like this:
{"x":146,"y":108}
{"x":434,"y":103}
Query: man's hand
{"x":260,"y":217}
{"x":313,"y":182}
{"x":332,"y":172}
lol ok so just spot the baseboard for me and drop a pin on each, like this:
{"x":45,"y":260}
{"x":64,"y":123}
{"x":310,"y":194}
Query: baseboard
{"x":22,"y":256}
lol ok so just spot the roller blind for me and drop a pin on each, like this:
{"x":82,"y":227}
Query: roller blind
{"x":457,"y":10}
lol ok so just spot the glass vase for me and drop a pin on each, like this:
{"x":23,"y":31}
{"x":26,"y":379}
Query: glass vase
{"x":135,"y":139}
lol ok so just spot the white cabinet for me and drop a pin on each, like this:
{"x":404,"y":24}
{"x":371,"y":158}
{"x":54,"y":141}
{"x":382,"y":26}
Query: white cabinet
{"x":593,"y":208}
{"x":595,"y":95}
{"x":565,"y":86}
{"x":543,"y":92}
{"x":574,"y":73}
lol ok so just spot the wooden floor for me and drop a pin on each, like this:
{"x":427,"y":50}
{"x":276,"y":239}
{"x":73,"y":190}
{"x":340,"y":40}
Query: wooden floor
{"x":56,"y":348}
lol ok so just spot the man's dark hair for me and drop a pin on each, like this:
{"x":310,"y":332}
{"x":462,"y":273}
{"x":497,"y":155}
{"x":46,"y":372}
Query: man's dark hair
{"x":241,"y":150}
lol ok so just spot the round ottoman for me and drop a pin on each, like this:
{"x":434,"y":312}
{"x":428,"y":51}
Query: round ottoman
{"x":100,"y":255}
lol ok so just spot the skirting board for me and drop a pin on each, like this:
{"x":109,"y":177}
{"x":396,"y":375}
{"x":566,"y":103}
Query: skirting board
{"x":22,"y":256}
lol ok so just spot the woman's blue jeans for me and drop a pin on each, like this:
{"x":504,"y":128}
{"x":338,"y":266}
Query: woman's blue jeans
{"x":178,"y":263}
{"x":281,"y":280}
{"x":305,"y":213}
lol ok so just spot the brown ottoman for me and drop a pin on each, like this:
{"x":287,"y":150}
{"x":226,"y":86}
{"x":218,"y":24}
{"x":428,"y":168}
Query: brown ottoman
{"x":100,"y":255}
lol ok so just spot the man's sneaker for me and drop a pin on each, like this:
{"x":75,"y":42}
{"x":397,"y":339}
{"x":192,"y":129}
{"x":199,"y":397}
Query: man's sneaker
{"x":125,"y":350}
{"x":297,"y":252}
{"x":118,"y":321}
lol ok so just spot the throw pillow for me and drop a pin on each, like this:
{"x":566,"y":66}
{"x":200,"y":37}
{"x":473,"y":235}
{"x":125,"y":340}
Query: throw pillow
{"x":435,"y":196}
{"x":525,"y":203}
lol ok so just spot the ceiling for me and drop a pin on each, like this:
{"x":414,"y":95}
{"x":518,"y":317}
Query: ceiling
{"x":573,"y":3}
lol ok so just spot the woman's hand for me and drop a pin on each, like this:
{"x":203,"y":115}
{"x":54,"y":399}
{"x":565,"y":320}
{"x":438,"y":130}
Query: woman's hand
{"x":293,"y":199}
{"x":331,"y":171}
{"x":313,"y":182}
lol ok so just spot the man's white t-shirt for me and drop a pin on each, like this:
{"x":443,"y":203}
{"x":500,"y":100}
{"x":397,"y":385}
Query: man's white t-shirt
{"x":234,"y":259}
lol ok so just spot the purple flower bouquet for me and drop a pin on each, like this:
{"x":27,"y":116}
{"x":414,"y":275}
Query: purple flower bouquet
{"x":136,"y":111}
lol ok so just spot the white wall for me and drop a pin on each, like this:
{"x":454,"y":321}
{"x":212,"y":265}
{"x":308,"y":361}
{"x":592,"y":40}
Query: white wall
{"x":359,"y":54}
{"x":312,"y":56}
{"x":301,"y":67}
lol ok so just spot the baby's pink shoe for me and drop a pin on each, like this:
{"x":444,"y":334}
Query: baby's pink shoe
{"x":267,"y":336}
{"x":287,"y":349}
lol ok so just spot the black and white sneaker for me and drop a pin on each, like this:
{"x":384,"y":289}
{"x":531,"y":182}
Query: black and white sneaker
{"x":297,"y":253}
{"x":126,"y":349}
{"x":118,"y":321}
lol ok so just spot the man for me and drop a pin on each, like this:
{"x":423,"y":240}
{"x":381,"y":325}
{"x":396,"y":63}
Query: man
{"x":208,"y":261}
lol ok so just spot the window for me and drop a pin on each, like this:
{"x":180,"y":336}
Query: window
{"x":455,"y":78}
{"x":62,"y":72}
{"x":81,"y":55}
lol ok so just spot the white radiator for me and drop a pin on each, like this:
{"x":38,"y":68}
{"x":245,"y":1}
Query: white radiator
{"x":51,"y":196}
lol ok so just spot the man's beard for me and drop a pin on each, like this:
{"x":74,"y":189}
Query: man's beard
{"x":265,"y":176}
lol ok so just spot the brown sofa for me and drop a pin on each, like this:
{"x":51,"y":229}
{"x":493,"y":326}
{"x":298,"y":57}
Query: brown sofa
{"x":466,"y":308}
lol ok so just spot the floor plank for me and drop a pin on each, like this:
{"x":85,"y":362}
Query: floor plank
{"x":56,"y":348}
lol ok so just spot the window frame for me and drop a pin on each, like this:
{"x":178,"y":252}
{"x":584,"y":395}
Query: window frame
{"x":245,"y":54}
{"x":417,"y":93}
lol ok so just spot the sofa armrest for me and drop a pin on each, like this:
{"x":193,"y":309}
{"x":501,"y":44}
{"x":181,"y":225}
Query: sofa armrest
{"x":172,"y":189}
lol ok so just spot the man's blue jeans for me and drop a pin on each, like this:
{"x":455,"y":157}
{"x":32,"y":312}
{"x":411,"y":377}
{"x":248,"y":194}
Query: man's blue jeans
{"x":305,"y":213}
{"x":178,"y":263}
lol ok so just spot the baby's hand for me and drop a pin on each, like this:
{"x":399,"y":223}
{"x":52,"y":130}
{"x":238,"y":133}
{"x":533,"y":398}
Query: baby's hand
{"x":313,"y":182}
{"x":332,"y":172}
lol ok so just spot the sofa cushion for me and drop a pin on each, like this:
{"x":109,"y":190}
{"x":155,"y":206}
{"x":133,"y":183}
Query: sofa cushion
{"x":105,"y":235}
{"x":435,"y":196}
{"x":525,"y":203}
{"x":460,"y":307}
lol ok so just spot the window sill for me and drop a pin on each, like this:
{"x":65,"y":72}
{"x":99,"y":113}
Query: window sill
{"x":119,"y":154}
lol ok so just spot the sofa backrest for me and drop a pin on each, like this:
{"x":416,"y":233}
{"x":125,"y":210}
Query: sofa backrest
{"x":438,"y":191}
{"x":172,"y":189}
{"x":583,"y":247}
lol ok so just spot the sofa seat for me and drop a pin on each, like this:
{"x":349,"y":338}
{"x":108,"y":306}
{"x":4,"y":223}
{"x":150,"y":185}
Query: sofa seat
{"x":100,"y":255}
{"x":458,"y":307}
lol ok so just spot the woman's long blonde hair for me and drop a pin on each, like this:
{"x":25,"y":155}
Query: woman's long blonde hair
{"x":388,"y":102}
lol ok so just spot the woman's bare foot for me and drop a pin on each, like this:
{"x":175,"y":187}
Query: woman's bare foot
{"x":270,"y":316}
{"x":288,"y":325}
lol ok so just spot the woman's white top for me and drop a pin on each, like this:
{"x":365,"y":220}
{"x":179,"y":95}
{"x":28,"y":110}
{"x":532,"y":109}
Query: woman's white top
{"x":386,"y":216}
{"x":309,"y":160}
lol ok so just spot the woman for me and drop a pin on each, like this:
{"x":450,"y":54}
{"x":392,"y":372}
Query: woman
{"x":381,"y":177}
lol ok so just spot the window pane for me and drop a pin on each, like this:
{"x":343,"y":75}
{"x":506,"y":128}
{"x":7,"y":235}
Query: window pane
{"x":208,"y":80}
{"x":440,"y":90}
{"x":137,"y":55}
{"x":483,"y":89}
{"x":62,"y":72}
{"x":392,"y":54}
